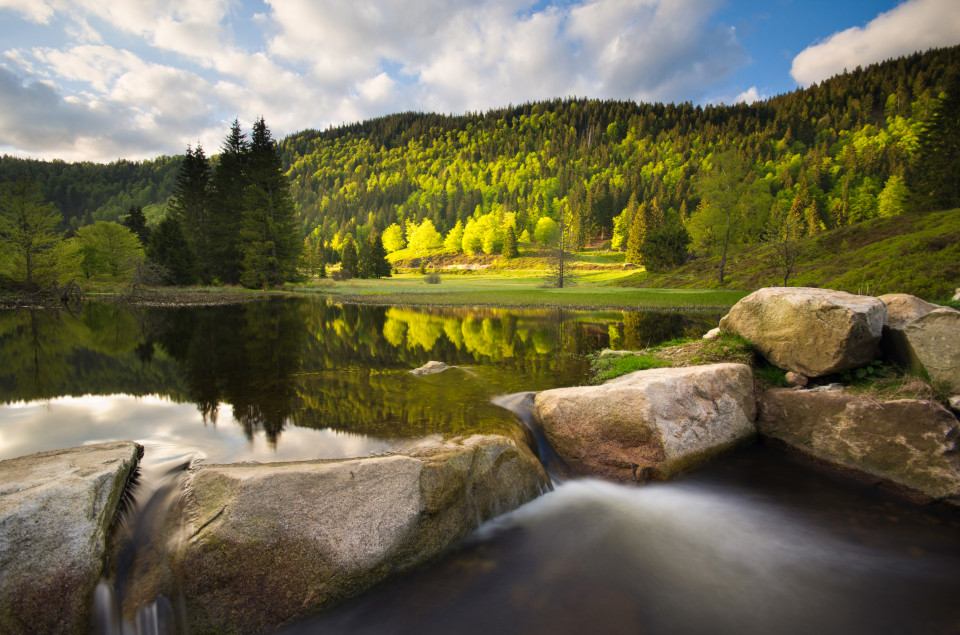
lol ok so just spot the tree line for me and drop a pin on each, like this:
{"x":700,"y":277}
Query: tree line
{"x":233,"y":223}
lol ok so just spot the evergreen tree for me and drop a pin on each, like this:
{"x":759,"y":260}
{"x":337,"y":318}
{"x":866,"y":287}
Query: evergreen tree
{"x":381,"y":266}
{"x":169,"y":248}
{"x":510,"y":244}
{"x":269,"y":244}
{"x":349,"y":259}
{"x":936,"y":175}
{"x":638,"y":231}
{"x":136,"y":222}
{"x":365,"y":259}
{"x":229,"y":184}
{"x":191,"y":205}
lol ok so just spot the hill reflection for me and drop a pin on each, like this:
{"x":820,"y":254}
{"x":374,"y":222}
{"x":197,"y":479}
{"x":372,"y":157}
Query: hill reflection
{"x":316,"y":364}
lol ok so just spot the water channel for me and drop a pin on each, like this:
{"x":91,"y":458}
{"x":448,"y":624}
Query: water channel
{"x":757,"y":542}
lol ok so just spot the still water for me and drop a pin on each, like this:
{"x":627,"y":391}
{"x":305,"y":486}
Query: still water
{"x":754,"y":543}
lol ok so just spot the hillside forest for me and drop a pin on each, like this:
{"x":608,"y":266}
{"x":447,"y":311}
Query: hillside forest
{"x":663,"y":182}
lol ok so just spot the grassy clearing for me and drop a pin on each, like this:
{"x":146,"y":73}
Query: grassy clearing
{"x":912,"y":253}
{"x":516,"y":289}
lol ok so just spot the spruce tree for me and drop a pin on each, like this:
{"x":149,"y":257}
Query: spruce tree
{"x":136,"y":222}
{"x":169,"y":248}
{"x":269,"y":246}
{"x":510,"y":244}
{"x":229,"y":184}
{"x":935,"y":179}
{"x":191,"y":205}
{"x":349,"y":258}
{"x":378,"y":254}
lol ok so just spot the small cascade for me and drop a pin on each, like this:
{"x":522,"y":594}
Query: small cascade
{"x":521,"y":404}
{"x":134,"y":599}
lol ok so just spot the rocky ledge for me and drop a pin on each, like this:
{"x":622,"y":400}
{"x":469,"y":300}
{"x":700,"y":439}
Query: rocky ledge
{"x":267,"y":544}
{"x":56,"y":509}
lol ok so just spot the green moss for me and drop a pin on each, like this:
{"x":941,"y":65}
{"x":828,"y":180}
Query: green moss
{"x":611,"y":366}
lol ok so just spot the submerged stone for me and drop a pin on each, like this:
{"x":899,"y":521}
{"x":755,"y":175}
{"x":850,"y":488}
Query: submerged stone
{"x":56,"y":509}
{"x":430,"y":368}
{"x":650,"y":424}
{"x":267,"y":544}
{"x":911,"y":443}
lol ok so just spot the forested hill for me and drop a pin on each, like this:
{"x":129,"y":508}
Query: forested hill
{"x":87,"y":192}
{"x":837,"y":146}
{"x":836,"y":153}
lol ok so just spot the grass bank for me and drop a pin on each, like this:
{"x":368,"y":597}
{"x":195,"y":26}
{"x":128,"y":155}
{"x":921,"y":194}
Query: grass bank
{"x":912,"y":253}
{"x":519,"y":291}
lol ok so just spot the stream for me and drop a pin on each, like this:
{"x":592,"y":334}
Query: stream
{"x":758,"y":541}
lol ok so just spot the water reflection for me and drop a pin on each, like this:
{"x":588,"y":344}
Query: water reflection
{"x":292,"y":363}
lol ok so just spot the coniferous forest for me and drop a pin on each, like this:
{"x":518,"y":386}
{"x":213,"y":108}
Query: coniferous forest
{"x":659,"y":181}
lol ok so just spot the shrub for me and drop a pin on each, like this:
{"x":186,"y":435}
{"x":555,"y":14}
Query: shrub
{"x":432,"y":278}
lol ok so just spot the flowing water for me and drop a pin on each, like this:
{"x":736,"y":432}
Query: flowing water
{"x":755,"y":542}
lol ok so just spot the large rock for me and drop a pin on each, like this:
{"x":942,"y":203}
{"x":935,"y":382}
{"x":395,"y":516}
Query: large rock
{"x":55,"y":512}
{"x":908,"y":442}
{"x":813,"y":332}
{"x":918,"y":334}
{"x":649,"y":424}
{"x":270,"y":543}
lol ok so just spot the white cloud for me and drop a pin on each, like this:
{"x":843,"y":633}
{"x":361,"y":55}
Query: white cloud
{"x":37,"y":11}
{"x":915,"y":25}
{"x":312,"y":63}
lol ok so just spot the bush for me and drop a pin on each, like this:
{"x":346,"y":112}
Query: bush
{"x":432,"y":278}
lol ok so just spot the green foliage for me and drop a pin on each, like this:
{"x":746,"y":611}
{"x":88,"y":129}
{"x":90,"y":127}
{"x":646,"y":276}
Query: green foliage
{"x":393,"y":239}
{"x":665,"y":247}
{"x":432,"y":278}
{"x":769,"y":376}
{"x":546,"y":231}
{"x":28,"y":235}
{"x":893,"y":199}
{"x":109,"y":251}
{"x":423,"y":237}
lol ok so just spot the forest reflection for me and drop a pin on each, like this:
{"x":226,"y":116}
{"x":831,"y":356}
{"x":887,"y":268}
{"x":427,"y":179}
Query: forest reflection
{"x":317,"y":364}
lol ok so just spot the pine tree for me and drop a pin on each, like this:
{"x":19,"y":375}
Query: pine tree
{"x":349,"y":257}
{"x":638,"y":231}
{"x":136,"y":222}
{"x":510,"y":244}
{"x":229,"y":184}
{"x":169,"y":248}
{"x":191,"y":205}
{"x":935,"y":179}
{"x":269,"y":244}
{"x":378,"y":256}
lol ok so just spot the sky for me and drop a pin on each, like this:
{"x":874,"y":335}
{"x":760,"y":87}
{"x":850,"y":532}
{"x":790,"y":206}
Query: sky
{"x":99,"y":80}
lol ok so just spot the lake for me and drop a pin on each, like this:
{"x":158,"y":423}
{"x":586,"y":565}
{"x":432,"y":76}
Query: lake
{"x":755,"y":542}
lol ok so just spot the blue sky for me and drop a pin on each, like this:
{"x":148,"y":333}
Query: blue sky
{"x":105,"y":79}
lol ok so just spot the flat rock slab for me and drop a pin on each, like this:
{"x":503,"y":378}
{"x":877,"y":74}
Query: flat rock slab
{"x":650,"y":424}
{"x":911,"y":443}
{"x":268,"y":544}
{"x":55,"y":512}
{"x":813,"y":332}
{"x":918,"y":334}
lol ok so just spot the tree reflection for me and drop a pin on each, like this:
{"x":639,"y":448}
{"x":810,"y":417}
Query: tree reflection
{"x":318,"y":364}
